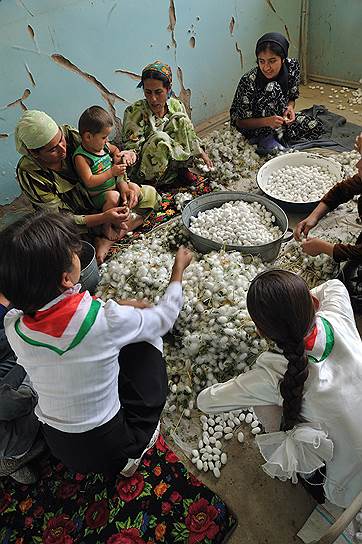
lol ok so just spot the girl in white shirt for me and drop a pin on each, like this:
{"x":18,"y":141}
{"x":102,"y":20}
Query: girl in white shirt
{"x":97,"y":367}
{"x":316,"y":379}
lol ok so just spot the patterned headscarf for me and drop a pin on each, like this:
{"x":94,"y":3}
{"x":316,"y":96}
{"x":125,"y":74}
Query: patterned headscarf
{"x":35,"y":129}
{"x":158,"y":67}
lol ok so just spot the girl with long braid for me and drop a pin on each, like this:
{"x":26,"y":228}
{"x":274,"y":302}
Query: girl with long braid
{"x":314,"y":375}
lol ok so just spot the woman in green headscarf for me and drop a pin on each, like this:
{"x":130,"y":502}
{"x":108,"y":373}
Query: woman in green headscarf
{"x":47,"y":176}
{"x":159,"y":130}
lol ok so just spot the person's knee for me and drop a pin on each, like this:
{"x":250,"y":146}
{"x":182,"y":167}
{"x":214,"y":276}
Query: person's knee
{"x":111,"y":199}
{"x":141,"y":351}
{"x":149,"y":198}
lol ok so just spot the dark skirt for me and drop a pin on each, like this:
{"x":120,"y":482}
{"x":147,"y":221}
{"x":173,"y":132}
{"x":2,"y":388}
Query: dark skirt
{"x":142,"y":387}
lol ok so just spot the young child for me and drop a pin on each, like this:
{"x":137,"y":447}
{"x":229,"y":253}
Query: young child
{"x":99,"y":407}
{"x":316,"y":378}
{"x":99,"y":163}
{"x":19,"y":440}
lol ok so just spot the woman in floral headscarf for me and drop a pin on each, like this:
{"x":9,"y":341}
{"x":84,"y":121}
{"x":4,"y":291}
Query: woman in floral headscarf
{"x":159,"y":130}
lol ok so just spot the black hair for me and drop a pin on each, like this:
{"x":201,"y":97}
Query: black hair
{"x":35,"y":251}
{"x":272,"y":46}
{"x":94,"y":120}
{"x":280,"y":304}
{"x":152,"y":74}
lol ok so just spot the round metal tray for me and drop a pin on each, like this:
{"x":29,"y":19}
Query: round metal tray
{"x":267,"y":252}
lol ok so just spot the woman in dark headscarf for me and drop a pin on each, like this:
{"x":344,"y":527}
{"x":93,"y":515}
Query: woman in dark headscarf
{"x":264,"y":102}
{"x":159,"y":130}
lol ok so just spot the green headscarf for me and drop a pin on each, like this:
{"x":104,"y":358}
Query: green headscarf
{"x":35,"y":129}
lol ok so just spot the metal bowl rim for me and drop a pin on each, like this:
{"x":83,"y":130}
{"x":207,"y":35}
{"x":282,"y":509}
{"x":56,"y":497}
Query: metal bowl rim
{"x":236,"y":248}
{"x":307,"y":202}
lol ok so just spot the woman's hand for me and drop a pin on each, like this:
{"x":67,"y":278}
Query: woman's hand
{"x":275,"y":121}
{"x":358,"y":143}
{"x":205,"y":157}
{"x":128,"y":157}
{"x":130,"y":193}
{"x":315,"y":246}
{"x":304,"y":227}
{"x":289,"y":115}
{"x":116,"y":216}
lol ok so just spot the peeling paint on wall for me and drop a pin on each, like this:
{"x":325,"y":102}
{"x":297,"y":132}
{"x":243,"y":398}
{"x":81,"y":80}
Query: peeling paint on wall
{"x":65,"y":90}
{"x":271,"y":5}
{"x":185,"y":94}
{"x":172,"y":23}
{"x":19,"y":101}
{"x":231,"y":25}
{"x":132,"y":75}
{"x":32,"y":35}
{"x":108,"y":96}
{"x":30,"y":75}
{"x":281,"y":19}
{"x":110,"y":12}
{"x":240,"y":53}
{"x":287,"y":33}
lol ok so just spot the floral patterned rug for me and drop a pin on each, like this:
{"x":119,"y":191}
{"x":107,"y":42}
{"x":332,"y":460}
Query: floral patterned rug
{"x":168,"y":210}
{"x":161,"y":503}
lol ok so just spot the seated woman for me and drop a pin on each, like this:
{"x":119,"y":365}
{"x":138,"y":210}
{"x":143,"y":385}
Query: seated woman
{"x":97,"y":367}
{"x":264,"y":102}
{"x":159,"y":130}
{"x":47,"y":176}
{"x":351,"y":273}
{"x":316,"y":377}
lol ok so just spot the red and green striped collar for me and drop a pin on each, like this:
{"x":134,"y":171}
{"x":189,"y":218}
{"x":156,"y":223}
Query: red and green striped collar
{"x":62,"y":324}
{"x":320,"y":341}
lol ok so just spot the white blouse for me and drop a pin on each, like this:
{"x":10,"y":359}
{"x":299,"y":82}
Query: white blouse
{"x":74,"y":373}
{"x":332,"y":403}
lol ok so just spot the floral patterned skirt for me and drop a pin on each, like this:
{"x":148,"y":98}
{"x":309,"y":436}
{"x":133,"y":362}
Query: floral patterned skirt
{"x":161,"y":503}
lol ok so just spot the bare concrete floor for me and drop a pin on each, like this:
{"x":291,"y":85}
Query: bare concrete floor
{"x":269,"y":511}
{"x":308,"y":97}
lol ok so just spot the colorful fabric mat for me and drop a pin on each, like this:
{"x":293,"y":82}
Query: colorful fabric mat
{"x":168,"y":210}
{"x":161,"y":503}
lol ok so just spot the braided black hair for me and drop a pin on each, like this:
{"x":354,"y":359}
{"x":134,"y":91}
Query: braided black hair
{"x":291,"y":387}
{"x":281,"y":306}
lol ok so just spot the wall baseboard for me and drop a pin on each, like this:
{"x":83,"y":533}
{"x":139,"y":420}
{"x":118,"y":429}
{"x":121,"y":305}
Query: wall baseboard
{"x":334,"y":81}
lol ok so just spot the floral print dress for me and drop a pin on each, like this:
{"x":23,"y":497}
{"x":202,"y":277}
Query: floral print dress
{"x":251,"y":102}
{"x":163,"y":144}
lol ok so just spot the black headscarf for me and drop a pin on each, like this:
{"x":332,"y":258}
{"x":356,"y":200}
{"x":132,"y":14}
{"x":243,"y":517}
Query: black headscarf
{"x":282,"y":77}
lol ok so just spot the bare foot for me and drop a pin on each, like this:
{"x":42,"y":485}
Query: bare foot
{"x":103,"y":245}
{"x":122,"y":231}
{"x":110,"y":232}
{"x":134,"y":222}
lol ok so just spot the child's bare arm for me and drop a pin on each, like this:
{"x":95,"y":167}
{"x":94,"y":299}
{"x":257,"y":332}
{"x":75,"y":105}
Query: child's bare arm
{"x":93,"y":180}
{"x":115,"y":153}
